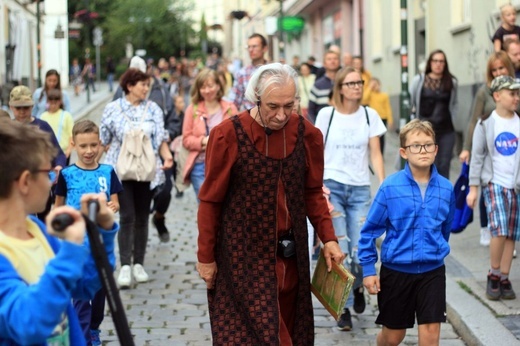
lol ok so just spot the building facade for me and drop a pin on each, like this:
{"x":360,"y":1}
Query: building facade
{"x":19,"y":22}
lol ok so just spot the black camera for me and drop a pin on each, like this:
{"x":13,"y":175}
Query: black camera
{"x":286,"y":245}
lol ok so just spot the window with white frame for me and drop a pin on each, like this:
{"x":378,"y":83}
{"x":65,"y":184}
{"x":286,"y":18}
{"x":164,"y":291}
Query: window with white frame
{"x":376,"y":28}
{"x":460,"y":12}
{"x":396,"y":23}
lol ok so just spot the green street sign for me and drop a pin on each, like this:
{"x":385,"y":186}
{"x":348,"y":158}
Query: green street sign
{"x":291,"y":24}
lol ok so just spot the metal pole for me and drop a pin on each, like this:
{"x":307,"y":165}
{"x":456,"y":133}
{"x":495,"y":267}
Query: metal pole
{"x":404,"y":97}
{"x":281,"y":44}
{"x":38,"y":43}
{"x":87,"y":44}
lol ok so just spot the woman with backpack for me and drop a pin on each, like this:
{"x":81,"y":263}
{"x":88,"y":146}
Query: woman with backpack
{"x":351,"y":133}
{"x":121,"y":118}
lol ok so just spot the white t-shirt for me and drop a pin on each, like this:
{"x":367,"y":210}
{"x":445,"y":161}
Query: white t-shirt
{"x":346,"y":149}
{"x":506,"y":134}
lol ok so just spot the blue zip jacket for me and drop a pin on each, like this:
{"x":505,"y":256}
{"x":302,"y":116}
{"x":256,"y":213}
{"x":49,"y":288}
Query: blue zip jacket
{"x":29,"y":313}
{"x":417,"y":231}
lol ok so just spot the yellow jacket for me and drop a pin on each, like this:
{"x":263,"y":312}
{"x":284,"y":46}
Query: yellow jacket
{"x":381,"y":103}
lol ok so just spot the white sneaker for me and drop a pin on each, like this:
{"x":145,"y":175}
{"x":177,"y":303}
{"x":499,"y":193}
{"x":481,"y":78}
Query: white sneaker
{"x":485,"y":237}
{"x":125,"y":277}
{"x":139,"y":274}
{"x":514,"y":253}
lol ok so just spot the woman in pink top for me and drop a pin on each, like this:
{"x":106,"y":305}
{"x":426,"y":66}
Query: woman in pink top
{"x":207,"y":110}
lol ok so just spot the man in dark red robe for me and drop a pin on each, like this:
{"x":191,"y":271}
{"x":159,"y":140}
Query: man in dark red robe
{"x":264,"y":176}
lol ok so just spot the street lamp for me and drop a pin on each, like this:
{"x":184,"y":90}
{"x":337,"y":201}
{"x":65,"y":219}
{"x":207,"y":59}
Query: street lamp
{"x":281,"y":44}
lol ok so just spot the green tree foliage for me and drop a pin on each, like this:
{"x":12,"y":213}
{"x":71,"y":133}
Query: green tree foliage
{"x":161,"y":27}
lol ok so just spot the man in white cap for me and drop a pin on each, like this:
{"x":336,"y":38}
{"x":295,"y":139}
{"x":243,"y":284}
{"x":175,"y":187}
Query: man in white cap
{"x":172,"y":123}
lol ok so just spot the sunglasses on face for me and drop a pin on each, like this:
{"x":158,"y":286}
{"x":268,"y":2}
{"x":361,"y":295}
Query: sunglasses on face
{"x":22,"y":107}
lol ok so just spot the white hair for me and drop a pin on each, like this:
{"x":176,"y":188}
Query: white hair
{"x":267,"y":75}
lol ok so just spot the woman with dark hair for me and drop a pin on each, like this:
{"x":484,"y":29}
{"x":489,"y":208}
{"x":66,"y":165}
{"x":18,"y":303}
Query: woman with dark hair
{"x":52,"y":81}
{"x":120,"y":116}
{"x":434,"y":98}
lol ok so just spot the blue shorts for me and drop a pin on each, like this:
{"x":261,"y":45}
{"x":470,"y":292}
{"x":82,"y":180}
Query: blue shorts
{"x":502,"y":209}
{"x":403,"y":296}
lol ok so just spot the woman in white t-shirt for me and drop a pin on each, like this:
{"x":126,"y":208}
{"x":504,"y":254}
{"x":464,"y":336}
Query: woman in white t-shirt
{"x":351,"y":133}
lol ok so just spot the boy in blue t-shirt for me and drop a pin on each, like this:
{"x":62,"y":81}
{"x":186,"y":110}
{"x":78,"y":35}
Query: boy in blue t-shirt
{"x":87,"y":175}
{"x":415,"y":208}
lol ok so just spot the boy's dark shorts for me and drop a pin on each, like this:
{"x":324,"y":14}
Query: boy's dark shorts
{"x":404,"y":295}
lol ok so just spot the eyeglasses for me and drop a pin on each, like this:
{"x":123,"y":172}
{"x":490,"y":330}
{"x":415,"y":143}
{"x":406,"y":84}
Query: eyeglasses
{"x":54,"y":99}
{"x":253,"y":47}
{"x":22,"y":107}
{"x":352,"y":85}
{"x":50,"y":172}
{"x":438,"y":61}
{"x":416,"y":148}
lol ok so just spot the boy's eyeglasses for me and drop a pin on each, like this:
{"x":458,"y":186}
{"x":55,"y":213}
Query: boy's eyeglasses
{"x":352,"y":85}
{"x":50,"y":172}
{"x":416,"y":148}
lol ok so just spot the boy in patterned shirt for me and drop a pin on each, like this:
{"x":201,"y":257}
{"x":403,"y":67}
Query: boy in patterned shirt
{"x":87,"y":175}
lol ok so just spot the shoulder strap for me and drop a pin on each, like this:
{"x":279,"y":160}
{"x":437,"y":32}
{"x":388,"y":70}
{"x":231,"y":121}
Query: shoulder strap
{"x":60,"y":126}
{"x":328,"y":127}
{"x":366,"y":115}
{"x":126,"y":116}
{"x":163,"y":99}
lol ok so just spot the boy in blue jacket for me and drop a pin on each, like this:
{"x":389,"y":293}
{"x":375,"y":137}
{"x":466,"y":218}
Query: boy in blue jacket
{"x":415,"y":208}
{"x":39,"y":273}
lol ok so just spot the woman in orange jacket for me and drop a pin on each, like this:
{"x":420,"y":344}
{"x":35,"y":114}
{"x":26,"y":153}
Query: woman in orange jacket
{"x":207,"y":110}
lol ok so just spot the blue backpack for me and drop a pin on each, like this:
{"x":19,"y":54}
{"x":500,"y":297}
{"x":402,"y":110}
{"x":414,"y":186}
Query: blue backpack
{"x":463,"y":214}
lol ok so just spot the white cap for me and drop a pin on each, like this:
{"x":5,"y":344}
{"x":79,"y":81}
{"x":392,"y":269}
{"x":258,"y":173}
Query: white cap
{"x":138,"y":63}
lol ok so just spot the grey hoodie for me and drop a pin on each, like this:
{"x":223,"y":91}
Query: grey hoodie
{"x":481,"y":166}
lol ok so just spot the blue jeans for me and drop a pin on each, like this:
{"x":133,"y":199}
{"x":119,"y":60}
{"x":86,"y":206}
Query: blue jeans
{"x":197,"y":177}
{"x":351,"y":204}
{"x":110,"y":80}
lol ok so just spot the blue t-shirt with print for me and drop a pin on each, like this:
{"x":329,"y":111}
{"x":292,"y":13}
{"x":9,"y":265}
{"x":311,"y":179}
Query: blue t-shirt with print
{"x":74,"y":181}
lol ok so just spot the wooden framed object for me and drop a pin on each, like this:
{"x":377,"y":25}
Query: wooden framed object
{"x":331,"y":289}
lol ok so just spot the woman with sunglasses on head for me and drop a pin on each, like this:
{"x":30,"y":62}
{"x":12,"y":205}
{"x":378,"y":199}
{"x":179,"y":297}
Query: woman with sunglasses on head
{"x":351,"y":133}
{"x":434,"y":98}
{"x":60,"y":121}
{"x":52,"y":81}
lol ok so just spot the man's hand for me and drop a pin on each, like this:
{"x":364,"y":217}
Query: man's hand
{"x":208,"y":273}
{"x":371,"y":283}
{"x":332,"y":251}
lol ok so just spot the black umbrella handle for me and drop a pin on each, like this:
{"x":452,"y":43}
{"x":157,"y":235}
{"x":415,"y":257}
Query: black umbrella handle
{"x":107,"y":278}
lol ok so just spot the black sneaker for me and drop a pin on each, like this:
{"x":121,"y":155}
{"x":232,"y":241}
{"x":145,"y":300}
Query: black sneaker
{"x":493,"y":287}
{"x":506,"y":290}
{"x":164,"y":235}
{"x":359,"y":300}
{"x":179,"y":194}
{"x":345,"y":321}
